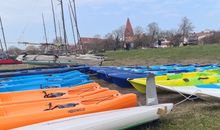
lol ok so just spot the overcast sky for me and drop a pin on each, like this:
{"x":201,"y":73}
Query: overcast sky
{"x":22,"y":18}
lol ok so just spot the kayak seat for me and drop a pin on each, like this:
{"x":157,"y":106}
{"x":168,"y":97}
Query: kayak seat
{"x":68,"y":105}
{"x":61,"y":106}
{"x":53,"y":95}
{"x":203,"y":78}
{"x":186,"y":80}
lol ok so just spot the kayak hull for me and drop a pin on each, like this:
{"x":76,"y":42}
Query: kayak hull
{"x":50,"y":94}
{"x":110,"y":120}
{"x":13,"y":116}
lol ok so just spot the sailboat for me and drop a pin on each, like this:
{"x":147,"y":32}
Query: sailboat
{"x":78,"y":59}
{"x":65,"y":58}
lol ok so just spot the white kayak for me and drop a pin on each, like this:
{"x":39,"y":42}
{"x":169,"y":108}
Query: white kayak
{"x":109,"y":120}
{"x":209,"y":92}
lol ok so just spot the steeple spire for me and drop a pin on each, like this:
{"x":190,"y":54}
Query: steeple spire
{"x":129,"y":34}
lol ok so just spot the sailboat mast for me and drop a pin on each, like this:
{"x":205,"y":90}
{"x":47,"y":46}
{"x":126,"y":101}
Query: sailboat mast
{"x":3,"y":34}
{"x":54,"y":20}
{"x":71,"y":19}
{"x":59,"y":27}
{"x":64,"y":28}
{"x":76,"y":23}
{"x":1,"y":46}
{"x":45,"y":31}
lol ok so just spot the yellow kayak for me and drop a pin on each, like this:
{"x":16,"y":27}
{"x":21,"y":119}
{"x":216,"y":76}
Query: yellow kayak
{"x":176,"y":80}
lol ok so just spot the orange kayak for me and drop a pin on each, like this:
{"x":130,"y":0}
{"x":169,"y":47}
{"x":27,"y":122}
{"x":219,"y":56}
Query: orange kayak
{"x":50,"y":94}
{"x":17,"y":115}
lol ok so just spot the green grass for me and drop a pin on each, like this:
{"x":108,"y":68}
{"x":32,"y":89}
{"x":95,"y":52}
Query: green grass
{"x":189,"y":54}
{"x":195,"y":115}
{"x":191,"y":115}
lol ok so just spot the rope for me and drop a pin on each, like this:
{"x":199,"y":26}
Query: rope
{"x":35,"y":4}
{"x":186,"y":97}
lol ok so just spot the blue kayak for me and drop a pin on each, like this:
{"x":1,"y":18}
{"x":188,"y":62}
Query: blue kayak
{"x":39,"y":76}
{"x":120,"y":79}
{"x":41,"y":79}
{"x":39,"y":71}
{"x":104,"y":74}
{"x":46,"y":85}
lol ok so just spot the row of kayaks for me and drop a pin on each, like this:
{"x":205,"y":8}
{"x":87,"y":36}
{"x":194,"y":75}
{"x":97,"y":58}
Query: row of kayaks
{"x":119,"y":75}
{"x":204,"y":82}
{"x":67,"y":99}
{"x":182,"y":79}
{"x":205,"y":85}
{"x":39,"y":106}
{"x":88,"y":106}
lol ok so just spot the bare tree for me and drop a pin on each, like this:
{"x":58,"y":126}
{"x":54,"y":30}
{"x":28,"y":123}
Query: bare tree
{"x":153,"y":30}
{"x":185,"y":27}
{"x":213,"y":38}
{"x":14,"y":51}
{"x":32,"y":50}
{"x":138,"y":30}
{"x":119,"y":33}
{"x":118,"y":36}
{"x":139,"y":37}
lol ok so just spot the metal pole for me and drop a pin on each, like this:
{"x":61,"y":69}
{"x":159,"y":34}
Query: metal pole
{"x":77,"y":27}
{"x":54,"y":20}
{"x":60,"y":32}
{"x":3,"y":34}
{"x":64,"y":28}
{"x":45,"y":31}
{"x":71,"y":19}
{"x":1,"y":46}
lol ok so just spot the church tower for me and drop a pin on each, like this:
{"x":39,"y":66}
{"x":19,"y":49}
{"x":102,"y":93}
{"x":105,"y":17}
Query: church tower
{"x":128,"y":34}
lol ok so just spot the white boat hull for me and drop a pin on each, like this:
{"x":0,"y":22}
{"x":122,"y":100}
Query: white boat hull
{"x":208,"y":94}
{"x":110,"y":120}
{"x":87,"y":59}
